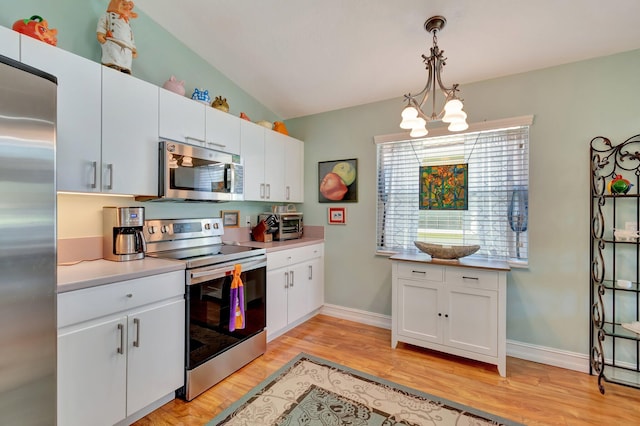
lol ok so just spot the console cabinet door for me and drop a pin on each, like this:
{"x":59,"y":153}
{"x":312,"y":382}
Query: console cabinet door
{"x":472,"y":322}
{"x":92,"y":369}
{"x":155,"y":354}
{"x":315,"y":278}
{"x":129,"y":134}
{"x":419,"y":311}
{"x":78,"y":136}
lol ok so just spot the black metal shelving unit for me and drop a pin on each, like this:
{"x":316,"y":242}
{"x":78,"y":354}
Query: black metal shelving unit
{"x":615,"y":350}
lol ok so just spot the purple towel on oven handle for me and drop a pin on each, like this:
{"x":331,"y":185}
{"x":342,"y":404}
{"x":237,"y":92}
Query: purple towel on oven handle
{"x":236,"y":305}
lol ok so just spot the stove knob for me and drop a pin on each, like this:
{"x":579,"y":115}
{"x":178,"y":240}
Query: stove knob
{"x":207,"y":226}
{"x":152,"y":229}
{"x":215,"y":225}
{"x":164,"y":229}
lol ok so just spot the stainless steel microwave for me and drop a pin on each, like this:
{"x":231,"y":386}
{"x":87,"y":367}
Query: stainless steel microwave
{"x":189,"y":172}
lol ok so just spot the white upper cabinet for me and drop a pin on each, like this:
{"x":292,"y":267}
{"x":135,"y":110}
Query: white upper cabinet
{"x":9,"y":43}
{"x":181,"y":119}
{"x":129,"y":134}
{"x":252,"y":150}
{"x":222,"y":131}
{"x":294,"y":170}
{"x":79,"y":113}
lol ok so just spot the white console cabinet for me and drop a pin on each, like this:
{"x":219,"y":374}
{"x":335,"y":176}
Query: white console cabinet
{"x":120,"y":348}
{"x":457,"y":308}
{"x":295,"y":287}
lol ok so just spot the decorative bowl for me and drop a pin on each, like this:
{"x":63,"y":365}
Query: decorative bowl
{"x":438,"y":251}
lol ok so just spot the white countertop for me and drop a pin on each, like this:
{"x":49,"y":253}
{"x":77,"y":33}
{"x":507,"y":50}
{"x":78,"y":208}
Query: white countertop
{"x":279,"y":245}
{"x":92,"y":273}
{"x":465,"y":262}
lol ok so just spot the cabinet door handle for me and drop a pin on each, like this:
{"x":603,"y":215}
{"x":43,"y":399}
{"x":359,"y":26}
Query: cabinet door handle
{"x":262,"y":191}
{"x":110,"y":170}
{"x":288,"y":196}
{"x":121,"y":347}
{"x":439,"y":314}
{"x":221,"y":145}
{"x":94,"y":165}
{"x":136,"y":322}
{"x":292,"y":279}
{"x":191,"y":138}
{"x":446,"y":315}
{"x":310,"y":272}
{"x":286,"y":280}
{"x":268,"y":194}
{"x":470,"y":278}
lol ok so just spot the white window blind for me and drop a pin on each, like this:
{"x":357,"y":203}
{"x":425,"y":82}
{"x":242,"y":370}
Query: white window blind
{"x":498,"y":181}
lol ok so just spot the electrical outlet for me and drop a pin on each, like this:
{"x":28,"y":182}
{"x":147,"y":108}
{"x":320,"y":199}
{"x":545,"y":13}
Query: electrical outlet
{"x":247,"y":220}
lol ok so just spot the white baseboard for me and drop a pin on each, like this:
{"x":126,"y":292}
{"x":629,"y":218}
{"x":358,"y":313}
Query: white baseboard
{"x":357,"y":315}
{"x":541,"y":354}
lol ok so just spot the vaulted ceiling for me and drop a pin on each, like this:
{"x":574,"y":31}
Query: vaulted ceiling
{"x":300,"y":57}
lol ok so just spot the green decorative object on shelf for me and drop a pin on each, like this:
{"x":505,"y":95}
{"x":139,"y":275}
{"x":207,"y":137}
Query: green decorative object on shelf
{"x":619,"y":185}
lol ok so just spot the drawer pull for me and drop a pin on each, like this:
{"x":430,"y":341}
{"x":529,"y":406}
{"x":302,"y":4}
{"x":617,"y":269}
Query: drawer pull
{"x":470,"y":278}
{"x":129,"y":295}
{"x":418,"y":272}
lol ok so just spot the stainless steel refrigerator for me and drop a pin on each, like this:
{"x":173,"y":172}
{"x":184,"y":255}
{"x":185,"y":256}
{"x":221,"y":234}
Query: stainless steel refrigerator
{"x":27,"y":245}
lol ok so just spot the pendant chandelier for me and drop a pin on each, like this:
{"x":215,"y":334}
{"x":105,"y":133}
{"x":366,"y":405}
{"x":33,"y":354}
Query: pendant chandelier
{"x":413,"y":116}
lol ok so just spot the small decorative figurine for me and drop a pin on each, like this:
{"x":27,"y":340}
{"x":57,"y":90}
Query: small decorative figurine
{"x":265,"y":123}
{"x":220,"y":103}
{"x":279,"y":126}
{"x":201,"y":96}
{"x":37,"y":28}
{"x":244,"y":116}
{"x":619,"y":185}
{"x":116,"y":37}
{"x":174,"y":85}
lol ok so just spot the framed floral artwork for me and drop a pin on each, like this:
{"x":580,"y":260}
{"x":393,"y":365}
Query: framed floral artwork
{"x":338,"y":181}
{"x":444,"y":187}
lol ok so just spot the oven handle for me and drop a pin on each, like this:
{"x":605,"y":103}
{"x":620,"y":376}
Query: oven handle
{"x":224,"y":269}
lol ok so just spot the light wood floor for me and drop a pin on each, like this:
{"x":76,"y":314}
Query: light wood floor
{"x":534,"y":394}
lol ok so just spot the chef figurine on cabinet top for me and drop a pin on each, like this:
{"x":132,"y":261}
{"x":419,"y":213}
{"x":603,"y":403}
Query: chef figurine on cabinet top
{"x":116,"y":37}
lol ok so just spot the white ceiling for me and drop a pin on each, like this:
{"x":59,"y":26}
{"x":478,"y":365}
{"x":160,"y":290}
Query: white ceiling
{"x":300,"y":57}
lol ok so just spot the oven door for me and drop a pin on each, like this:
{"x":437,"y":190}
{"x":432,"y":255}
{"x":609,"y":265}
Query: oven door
{"x":209,"y":308}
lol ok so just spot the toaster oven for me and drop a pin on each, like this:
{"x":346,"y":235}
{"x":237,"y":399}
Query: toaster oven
{"x":288,"y":226}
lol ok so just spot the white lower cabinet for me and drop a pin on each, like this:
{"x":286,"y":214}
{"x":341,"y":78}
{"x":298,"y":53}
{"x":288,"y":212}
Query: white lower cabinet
{"x":295,"y":287}
{"x":120,"y":348}
{"x":452,"y":309}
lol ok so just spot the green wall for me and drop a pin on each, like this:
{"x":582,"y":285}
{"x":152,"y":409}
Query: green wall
{"x":160,"y":55}
{"x":547,"y":303}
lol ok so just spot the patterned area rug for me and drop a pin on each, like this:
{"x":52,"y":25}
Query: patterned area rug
{"x":311,"y":391}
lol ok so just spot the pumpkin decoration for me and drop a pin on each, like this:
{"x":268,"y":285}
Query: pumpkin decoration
{"x":279,"y":126}
{"x":244,"y":116}
{"x":37,"y":28}
{"x":220,"y":103}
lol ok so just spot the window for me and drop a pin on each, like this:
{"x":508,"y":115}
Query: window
{"x":496,"y":218}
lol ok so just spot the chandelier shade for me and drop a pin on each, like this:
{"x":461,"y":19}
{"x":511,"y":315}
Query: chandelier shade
{"x":413,"y":116}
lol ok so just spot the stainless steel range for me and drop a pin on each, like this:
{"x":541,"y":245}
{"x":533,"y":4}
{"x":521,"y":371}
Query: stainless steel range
{"x":215,"y":347}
